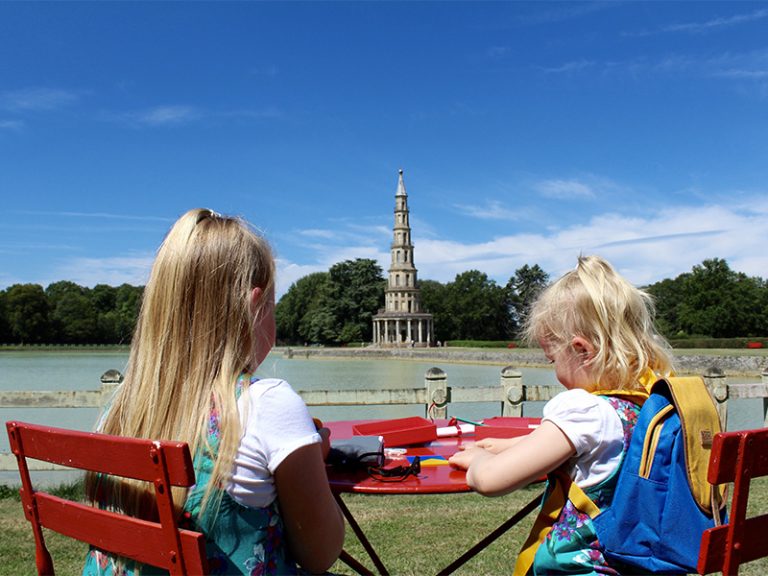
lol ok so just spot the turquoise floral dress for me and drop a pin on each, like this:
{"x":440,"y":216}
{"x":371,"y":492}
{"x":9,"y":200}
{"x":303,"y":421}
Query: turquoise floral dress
{"x":571,"y":547}
{"x":239,"y":539}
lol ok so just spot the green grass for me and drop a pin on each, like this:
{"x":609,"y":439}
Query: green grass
{"x":414,"y":535}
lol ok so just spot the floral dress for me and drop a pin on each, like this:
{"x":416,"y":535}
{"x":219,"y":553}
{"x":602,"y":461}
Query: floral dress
{"x":239,"y":539}
{"x":571,"y":546}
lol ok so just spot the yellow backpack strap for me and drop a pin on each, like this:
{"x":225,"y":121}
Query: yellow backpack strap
{"x":561,"y":488}
{"x":700,"y":423}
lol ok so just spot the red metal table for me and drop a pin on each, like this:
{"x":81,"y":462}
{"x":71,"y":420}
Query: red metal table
{"x":433,"y":479}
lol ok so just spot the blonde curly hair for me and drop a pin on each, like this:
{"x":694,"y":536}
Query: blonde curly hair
{"x":596,"y":303}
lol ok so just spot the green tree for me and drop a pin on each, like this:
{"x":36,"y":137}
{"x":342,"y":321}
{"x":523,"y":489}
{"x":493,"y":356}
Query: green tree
{"x":479,"y":306}
{"x":522,"y":290}
{"x":357,"y":293}
{"x":434,"y":299}
{"x":73,"y":317}
{"x":5,"y":325}
{"x":294,"y":311}
{"x":711,"y":300}
{"x":28,"y":313}
{"x":127,"y":304}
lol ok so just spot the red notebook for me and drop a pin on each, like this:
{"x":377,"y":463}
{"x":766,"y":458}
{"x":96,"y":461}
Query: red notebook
{"x":400,"y":431}
{"x":506,"y":427}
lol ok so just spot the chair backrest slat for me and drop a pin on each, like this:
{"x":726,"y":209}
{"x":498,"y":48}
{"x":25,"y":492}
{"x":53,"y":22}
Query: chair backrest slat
{"x":161,"y":544}
{"x":127,"y":457}
{"x":120,"y":534}
{"x":737,"y":457}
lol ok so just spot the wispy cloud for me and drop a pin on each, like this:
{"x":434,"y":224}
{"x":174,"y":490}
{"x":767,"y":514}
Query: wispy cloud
{"x":269,"y":70}
{"x":114,"y":271}
{"x":705,"y":26}
{"x":167,"y":115}
{"x":497,"y":52}
{"x":348,"y":232}
{"x":96,"y":215}
{"x":559,"y":12}
{"x":564,"y":189}
{"x":568,"y":67}
{"x":318,"y":233}
{"x":749,"y":66}
{"x":736,"y":233}
{"x":11,"y":125}
{"x":183,"y":114}
{"x":36,"y":99}
{"x":491,"y":210}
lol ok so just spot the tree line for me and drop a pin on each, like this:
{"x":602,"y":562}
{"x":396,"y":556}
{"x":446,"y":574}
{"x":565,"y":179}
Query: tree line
{"x":66,"y":313}
{"x":337,"y":307}
{"x":711,"y":301}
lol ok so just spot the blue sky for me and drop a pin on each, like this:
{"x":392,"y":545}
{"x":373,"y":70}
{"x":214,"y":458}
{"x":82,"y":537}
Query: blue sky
{"x":529,"y":133}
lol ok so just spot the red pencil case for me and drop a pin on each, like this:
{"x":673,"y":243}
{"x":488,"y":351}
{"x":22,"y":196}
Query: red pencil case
{"x":400,"y":431}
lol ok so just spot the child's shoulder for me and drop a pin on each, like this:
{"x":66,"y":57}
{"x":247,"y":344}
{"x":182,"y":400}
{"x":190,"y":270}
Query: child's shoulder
{"x":577,"y":400}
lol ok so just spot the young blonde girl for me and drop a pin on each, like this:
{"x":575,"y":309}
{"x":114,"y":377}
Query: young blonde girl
{"x":206,"y":323}
{"x":597,"y":329}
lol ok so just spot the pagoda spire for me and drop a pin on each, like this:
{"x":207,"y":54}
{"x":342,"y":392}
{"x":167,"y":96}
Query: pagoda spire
{"x":401,"y":185}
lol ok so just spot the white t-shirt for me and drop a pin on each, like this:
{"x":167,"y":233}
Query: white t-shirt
{"x":595,"y":430}
{"x":276,"y":422}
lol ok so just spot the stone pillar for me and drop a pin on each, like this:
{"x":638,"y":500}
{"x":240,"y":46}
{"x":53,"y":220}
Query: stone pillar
{"x":110,"y":380}
{"x":438,"y":393}
{"x":764,"y":378}
{"x":717,"y":385}
{"x":513,"y":393}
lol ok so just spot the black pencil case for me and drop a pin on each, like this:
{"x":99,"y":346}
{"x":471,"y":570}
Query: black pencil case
{"x":356,"y":452}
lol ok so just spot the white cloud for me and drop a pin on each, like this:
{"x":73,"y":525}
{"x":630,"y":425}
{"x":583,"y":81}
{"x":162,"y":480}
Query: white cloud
{"x":491,"y":210}
{"x":11,"y":124}
{"x":716,"y":23}
{"x":114,"y":270}
{"x":574,"y":66}
{"x":564,"y":189}
{"x":36,"y":99}
{"x":165,"y":115}
{"x":318,"y":233}
{"x":646,"y":249}
{"x":288,"y":272}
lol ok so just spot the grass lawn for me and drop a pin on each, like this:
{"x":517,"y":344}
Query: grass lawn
{"x":414,"y":535}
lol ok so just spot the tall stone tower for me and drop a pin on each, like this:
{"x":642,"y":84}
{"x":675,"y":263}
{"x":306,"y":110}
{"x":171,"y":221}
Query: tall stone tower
{"x":402,"y":321}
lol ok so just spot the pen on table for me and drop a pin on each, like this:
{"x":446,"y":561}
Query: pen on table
{"x":469,"y":421}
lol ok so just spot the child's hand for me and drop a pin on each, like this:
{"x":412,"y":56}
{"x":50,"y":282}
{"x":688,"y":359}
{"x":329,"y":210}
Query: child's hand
{"x":496,"y":445}
{"x":325,"y":436}
{"x":325,"y":444}
{"x":464,"y":457}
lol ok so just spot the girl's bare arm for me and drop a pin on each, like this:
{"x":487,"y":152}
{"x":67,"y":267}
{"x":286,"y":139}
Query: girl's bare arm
{"x":314,"y":525}
{"x":524,"y":461}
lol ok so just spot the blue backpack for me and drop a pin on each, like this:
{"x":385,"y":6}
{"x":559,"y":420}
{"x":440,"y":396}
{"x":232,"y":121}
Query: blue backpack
{"x":663,"y":501}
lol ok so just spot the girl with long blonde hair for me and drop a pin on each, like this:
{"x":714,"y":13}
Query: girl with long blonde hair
{"x":206,"y":323}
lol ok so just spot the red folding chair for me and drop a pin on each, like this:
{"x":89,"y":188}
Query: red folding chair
{"x":736,"y":457}
{"x":165,"y":464}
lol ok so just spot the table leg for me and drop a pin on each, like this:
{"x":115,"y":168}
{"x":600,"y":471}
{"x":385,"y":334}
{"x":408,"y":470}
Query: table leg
{"x":472,"y":552}
{"x":363,"y":540}
{"x":352,"y":562}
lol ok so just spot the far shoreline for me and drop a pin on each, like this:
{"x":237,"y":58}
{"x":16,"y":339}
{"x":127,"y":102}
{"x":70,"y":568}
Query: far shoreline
{"x":731,"y":362}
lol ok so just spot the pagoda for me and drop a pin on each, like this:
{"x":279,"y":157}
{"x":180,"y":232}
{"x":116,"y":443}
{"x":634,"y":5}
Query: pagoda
{"x":402,"y":322}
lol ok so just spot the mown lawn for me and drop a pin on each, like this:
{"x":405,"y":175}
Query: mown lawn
{"x":414,"y":535}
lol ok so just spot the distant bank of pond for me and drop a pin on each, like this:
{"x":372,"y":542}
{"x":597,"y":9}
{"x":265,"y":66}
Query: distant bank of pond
{"x":81,"y":370}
